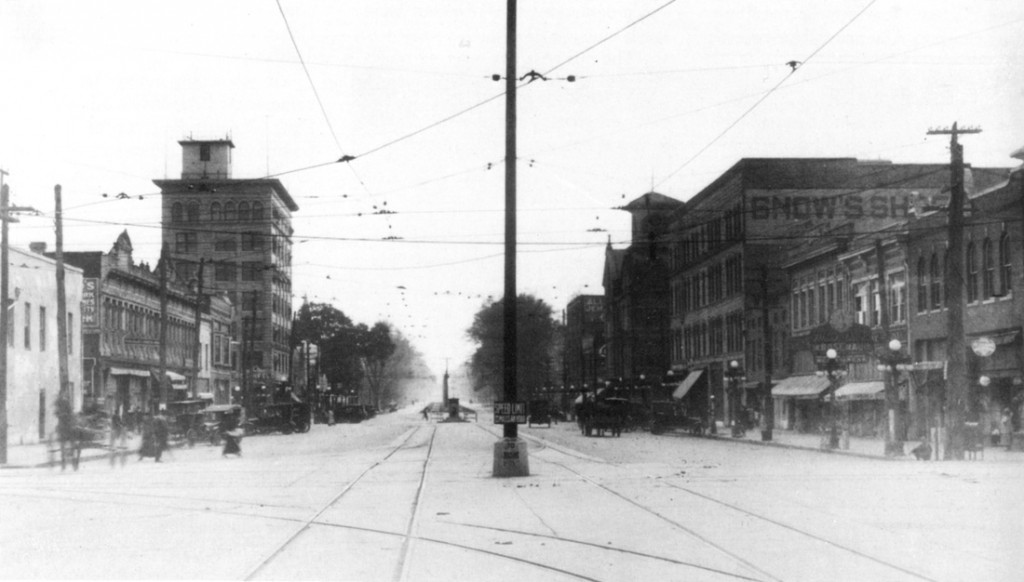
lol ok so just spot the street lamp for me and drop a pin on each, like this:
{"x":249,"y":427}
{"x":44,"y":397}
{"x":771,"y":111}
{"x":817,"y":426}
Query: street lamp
{"x":735,"y":377}
{"x":831,"y":369}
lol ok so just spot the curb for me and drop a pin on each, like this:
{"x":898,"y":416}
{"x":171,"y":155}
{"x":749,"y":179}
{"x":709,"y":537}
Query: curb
{"x":779,"y":445}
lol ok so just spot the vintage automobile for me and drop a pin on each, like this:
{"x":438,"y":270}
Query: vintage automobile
{"x":539,"y":413}
{"x":217,"y":417}
{"x":667,"y":416}
{"x":185,"y":419}
{"x":283,"y":417}
{"x":608,"y":414}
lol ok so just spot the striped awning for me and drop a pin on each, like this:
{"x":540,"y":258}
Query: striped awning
{"x":800,"y":387}
{"x":686,"y":384}
{"x":861,"y":391}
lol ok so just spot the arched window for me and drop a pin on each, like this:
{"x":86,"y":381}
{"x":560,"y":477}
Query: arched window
{"x":935,"y":276}
{"x":988,"y":276}
{"x":243,"y":212}
{"x":176,"y":212}
{"x":1005,"y":272}
{"x":193,"y":211}
{"x":257,"y":211}
{"x":922,"y":285}
{"x":229,"y":212}
{"x":972,"y":273}
{"x":215,"y":212}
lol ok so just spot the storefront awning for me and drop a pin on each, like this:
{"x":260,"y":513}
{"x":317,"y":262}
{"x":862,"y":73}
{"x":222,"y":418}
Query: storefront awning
{"x":800,"y":387}
{"x":129,"y":372}
{"x":861,"y":391}
{"x":686,"y":384}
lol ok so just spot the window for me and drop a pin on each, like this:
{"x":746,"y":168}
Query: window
{"x":215,"y":212}
{"x":922,"y":286}
{"x":897,"y":299}
{"x":42,"y":328}
{"x":972,"y":273}
{"x":229,"y":212}
{"x":1005,"y":272}
{"x":988,"y":280}
{"x":935,"y":275}
{"x":225,"y":272}
{"x":244,"y":214}
{"x":28,"y":326}
{"x":252,"y":241}
{"x":204,"y":152}
{"x":176,"y":212}
{"x":227,"y":245}
{"x":185,"y":242}
{"x":822,"y":313}
{"x":193,"y":211}
{"x":257,"y":211}
{"x":251,"y":271}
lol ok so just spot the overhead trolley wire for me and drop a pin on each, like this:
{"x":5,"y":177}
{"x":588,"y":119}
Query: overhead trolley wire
{"x":795,"y":66}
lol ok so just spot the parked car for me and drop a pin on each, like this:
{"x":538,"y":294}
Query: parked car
{"x":216,"y":416}
{"x":283,"y":417}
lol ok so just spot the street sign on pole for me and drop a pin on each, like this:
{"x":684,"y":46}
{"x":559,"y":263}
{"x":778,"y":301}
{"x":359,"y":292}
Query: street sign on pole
{"x":509,"y":413}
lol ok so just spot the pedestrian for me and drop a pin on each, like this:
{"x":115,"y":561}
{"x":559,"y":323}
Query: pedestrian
{"x":148,"y":447}
{"x":426,"y":414}
{"x":232,"y":438}
{"x":118,"y":439}
{"x":161,"y":432}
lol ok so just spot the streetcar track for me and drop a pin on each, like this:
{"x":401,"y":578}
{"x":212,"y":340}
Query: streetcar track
{"x":605,"y":547}
{"x":400,"y":571}
{"x":733,"y":555}
{"x":776,"y":523}
{"x":802,"y":532}
{"x":306,"y":523}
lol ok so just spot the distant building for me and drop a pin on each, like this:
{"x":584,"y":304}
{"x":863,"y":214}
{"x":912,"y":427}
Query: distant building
{"x":584,"y":342}
{"x":33,"y":362}
{"x":240,"y":229}
{"x":121,"y":310}
{"x":637,"y":338}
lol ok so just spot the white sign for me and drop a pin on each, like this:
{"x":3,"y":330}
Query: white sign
{"x":984,"y":346}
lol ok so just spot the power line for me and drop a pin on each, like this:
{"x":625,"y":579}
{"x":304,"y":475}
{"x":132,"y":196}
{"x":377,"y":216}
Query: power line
{"x":794,"y":66}
{"x":309,"y":77}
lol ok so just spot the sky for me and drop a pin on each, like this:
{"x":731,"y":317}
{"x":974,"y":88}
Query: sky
{"x":95,"y":96}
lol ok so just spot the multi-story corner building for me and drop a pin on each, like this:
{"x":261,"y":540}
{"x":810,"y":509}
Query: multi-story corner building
{"x":637,"y":294}
{"x":239,"y":231}
{"x":120,"y":327}
{"x":33,"y":360}
{"x":993,"y":280}
{"x":584,"y":340}
{"x":739,"y":294}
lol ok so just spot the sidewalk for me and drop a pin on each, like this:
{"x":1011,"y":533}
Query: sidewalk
{"x":858,"y":447}
{"x":39,"y":454}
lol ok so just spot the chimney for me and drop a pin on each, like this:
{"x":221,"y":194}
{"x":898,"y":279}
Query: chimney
{"x":37,"y":247}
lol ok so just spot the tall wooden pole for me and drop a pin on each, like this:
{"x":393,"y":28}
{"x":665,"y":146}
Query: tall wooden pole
{"x":957,"y":381}
{"x":767,"y":404}
{"x":62,"y":310}
{"x":197,"y":346}
{"x":4,"y":320}
{"x":165,"y":255}
{"x":510,"y":332}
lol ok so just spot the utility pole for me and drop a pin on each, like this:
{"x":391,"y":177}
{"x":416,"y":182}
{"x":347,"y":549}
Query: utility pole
{"x":62,"y":310}
{"x":510,"y":332}
{"x":767,"y":404}
{"x":4,"y":317}
{"x":196,"y":353}
{"x":6,"y":217}
{"x":957,"y":382}
{"x":893,"y":444}
{"x":165,"y":253}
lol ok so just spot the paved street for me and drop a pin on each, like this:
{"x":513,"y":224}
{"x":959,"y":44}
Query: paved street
{"x":397,"y":498}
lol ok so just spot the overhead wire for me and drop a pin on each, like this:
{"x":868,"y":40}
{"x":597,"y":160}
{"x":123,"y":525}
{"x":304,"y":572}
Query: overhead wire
{"x":798,"y":65}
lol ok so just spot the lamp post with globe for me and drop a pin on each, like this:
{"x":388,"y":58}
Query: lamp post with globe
{"x":891,"y":360}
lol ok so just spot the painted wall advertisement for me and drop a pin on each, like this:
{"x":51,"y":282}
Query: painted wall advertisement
{"x":90,"y":303}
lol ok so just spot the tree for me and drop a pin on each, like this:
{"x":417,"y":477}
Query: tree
{"x":333,"y":331}
{"x":535,"y":327}
{"x":375,"y":347}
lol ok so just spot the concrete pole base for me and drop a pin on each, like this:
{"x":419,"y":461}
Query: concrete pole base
{"x":511,"y":458}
